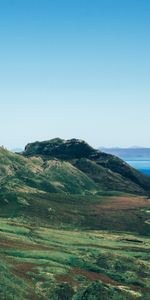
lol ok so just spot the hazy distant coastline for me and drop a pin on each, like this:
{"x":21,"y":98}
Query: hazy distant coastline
{"x":138,"y":158}
{"x":135,"y":152}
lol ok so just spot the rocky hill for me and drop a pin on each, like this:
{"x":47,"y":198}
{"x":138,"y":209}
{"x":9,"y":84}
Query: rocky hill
{"x":61,"y":149}
{"x":107,"y":171}
{"x":64,"y":182}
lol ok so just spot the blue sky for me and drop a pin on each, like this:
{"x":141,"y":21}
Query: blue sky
{"x":75,"y":68}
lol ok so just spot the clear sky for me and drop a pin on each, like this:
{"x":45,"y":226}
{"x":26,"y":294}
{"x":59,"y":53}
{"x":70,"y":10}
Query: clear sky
{"x":75,"y":68}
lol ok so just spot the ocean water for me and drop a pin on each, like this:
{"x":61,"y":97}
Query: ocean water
{"x":143,"y":165}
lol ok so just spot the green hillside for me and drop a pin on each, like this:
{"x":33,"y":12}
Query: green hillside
{"x":18,"y":173}
{"x":107,"y":171}
{"x":74,"y":224}
{"x":41,"y":263}
{"x":72,"y":193}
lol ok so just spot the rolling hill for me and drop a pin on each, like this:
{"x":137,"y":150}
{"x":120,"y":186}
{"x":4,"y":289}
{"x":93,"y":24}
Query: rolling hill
{"x":108,"y":172}
{"x":62,"y":183}
{"x":74,"y":224}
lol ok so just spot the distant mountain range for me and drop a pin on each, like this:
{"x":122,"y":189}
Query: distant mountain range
{"x":133,"y":152}
{"x":18,"y":150}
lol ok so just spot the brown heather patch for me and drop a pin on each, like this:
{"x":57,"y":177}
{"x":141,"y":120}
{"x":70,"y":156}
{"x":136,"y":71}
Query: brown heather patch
{"x":21,"y":269}
{"x":17,"y":245}
{"x":123,"y":202}
{"x":92,"y":276}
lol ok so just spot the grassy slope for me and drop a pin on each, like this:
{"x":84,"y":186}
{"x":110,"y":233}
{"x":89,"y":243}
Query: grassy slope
{"x":120,"y":213}
{"x":75,"y":176}
{"x":59,"y":246}
{"x":47,"y":263}
{"x":18,"y":173}
{"x":107,"y":171}
{"x":106,"y":178}
{"x":68,"y":178}
{"x":48,"y":250}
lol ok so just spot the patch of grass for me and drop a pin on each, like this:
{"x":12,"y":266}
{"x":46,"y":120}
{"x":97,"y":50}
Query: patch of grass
{"x":11,"y":286}
{"x":45,"y":259}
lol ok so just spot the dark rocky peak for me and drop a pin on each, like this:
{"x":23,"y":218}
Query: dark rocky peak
{"x":62,"y":149}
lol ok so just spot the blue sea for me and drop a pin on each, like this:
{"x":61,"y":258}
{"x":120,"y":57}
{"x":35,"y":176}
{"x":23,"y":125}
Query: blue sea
{"x":143,"y":165}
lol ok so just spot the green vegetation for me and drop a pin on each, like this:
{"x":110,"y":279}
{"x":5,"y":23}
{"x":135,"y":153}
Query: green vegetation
{"x":47,"y":263}
{"x":107,"y":171}
{"x":69,"y":167}
{"x":74,"y":224}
